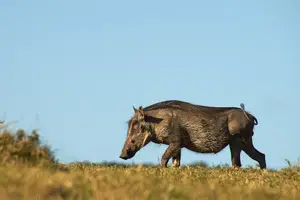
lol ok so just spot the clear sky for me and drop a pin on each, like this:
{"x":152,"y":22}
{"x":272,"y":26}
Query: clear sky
{"x":75,"y":69}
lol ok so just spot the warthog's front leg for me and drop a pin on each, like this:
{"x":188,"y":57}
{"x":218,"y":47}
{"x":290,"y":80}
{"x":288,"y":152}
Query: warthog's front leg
{"x":172,"y":151}
{"x":176,"y":159}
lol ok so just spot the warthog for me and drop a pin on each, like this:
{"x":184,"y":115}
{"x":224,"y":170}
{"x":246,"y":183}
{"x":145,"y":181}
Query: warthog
{"x":198,"y":128}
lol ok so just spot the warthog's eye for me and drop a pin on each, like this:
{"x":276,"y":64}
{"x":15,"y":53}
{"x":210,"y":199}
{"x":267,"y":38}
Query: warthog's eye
{"x":143,"y":129}
{"x":132,"y":141}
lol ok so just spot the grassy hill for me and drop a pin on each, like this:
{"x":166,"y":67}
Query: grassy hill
{"x":29,"y":170}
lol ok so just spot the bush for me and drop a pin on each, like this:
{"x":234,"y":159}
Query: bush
{"x":20,"y":147}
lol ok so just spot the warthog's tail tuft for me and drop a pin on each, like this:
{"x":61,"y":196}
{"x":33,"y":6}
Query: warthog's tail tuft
{"x":247,"y":114}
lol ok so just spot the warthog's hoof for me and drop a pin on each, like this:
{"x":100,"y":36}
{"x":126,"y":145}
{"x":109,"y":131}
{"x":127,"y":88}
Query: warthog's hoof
{"x":175,"y":164}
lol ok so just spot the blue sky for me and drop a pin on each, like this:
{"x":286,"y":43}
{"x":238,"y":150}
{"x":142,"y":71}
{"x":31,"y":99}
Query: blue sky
{"x":74,"y":70}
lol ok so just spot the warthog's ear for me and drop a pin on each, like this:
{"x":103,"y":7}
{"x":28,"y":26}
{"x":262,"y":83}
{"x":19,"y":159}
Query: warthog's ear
{"x":134,"y":109}
{"x":141,"y":113}
{"x":141,"y":110}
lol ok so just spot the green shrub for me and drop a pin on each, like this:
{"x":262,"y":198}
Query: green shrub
{"x":24,"y":148}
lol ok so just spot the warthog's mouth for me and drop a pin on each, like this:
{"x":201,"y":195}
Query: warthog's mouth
{"x":124,"y":157}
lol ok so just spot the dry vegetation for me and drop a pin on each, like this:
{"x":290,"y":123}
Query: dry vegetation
{"x":29,"y":171}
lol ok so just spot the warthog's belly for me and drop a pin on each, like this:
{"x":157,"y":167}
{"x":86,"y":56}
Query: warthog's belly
{"x":207,"y":138}
{"x":207,"y":143}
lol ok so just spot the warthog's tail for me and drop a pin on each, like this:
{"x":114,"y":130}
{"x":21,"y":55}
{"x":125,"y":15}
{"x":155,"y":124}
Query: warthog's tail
{"x":247,"y":114}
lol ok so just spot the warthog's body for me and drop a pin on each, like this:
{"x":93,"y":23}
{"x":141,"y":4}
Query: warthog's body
{"x":198,"y":128}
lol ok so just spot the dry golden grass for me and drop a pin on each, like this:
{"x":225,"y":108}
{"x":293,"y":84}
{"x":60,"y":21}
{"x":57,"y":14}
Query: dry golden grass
{"x":26,"y":176}
{"x":137,"y":182}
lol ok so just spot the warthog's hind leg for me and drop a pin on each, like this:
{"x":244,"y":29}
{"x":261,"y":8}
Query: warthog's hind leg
{"x":253,"y":153}
{"x":235,"y":150}
{"x":171,"y":151}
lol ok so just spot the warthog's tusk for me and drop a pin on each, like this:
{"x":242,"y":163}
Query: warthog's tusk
{"x":145,"y":138}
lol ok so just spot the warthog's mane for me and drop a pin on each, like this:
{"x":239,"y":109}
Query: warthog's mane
{"x":186,"y":106}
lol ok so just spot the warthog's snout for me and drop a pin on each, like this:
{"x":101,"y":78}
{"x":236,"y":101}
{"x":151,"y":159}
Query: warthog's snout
{"x":123,"y":157}
{"x":127,"y":154}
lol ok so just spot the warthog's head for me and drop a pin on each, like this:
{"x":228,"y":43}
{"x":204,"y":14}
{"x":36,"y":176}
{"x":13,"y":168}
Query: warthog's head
{"x":139,"y":132}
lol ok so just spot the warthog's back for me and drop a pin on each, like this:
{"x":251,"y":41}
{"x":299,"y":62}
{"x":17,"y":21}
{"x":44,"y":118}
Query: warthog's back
{"x":176,"y":104}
